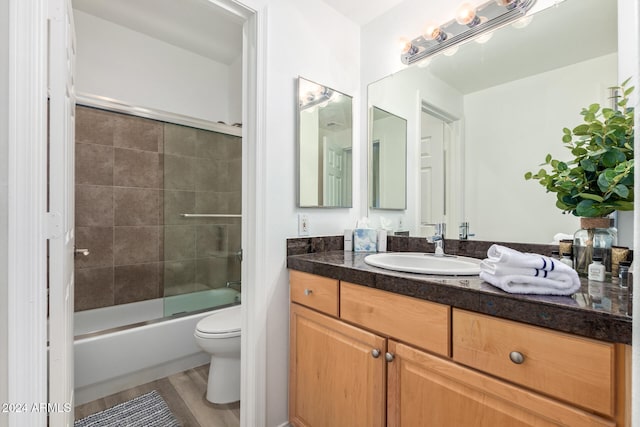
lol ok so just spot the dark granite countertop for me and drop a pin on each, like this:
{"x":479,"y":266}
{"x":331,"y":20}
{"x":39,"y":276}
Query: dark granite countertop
{"x":597,"y":311}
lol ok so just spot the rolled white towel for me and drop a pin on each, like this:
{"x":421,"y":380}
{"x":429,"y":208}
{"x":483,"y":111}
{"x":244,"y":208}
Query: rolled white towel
{"x":517,"y":272}
{"x":501,"y":269}
{"x":561,"y":284}
{"x":501,"y":255}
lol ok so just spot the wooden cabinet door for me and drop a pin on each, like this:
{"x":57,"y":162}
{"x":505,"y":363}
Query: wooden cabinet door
{"x":425,"y":390}
{"x":334,"y":379}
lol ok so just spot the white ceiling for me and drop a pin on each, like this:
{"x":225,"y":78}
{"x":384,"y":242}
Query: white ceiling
{"x":201,"y":27}
{"x":194,"y":25}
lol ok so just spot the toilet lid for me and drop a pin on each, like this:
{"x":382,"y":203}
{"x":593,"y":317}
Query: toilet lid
{"x":221,"y":322}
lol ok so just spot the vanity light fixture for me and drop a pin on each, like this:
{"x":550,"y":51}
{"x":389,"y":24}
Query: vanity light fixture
{"x":312,"y":94}
{"x":470,"y":22}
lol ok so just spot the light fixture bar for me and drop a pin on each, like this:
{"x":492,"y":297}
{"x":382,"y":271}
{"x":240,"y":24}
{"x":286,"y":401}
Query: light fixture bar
{"x":492,"y":16}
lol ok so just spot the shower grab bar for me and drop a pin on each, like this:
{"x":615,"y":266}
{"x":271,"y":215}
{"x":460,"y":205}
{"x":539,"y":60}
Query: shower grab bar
{"x":192,"y":215}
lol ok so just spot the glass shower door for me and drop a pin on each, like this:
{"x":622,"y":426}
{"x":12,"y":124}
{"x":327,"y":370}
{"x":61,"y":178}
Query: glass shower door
{"x":202,"y":193}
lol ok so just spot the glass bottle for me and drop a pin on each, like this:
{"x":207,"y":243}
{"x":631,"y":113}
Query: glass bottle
{"x":623,"y":274}
{"x":595,"y":238}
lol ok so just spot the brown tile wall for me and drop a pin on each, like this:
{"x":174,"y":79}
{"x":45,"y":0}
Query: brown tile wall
{"x":134,"y":176}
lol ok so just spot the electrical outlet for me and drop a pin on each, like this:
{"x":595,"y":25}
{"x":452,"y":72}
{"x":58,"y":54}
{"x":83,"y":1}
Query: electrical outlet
{"x":303,"y":224}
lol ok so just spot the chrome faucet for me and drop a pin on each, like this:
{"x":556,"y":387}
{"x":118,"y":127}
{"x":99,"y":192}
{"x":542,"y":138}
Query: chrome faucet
{"x":438,"y":237}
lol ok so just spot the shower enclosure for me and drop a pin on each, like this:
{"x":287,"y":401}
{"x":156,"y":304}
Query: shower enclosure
{"x":158,"y":206}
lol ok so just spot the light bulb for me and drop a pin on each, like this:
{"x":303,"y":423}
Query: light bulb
{"x":466,"y":15}
{"x":407,"y":48}
{"x":434,"y":32}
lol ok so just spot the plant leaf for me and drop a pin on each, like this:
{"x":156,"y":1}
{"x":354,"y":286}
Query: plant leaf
{"x":588,"y":165}
{"x":585,"y":208}
{"x":621,"y":190}
{"x":610,"y":159}
{"x":590,"y":196}
{"x":581,"y":130}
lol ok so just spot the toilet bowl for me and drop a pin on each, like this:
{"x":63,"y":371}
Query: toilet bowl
{"x":219,"y":335}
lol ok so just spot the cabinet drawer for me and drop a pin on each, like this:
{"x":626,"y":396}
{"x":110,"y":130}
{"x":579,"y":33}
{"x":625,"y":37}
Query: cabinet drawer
{"x":317,"y":292}
{"x":421,"y":323}
{"x":574,"y":369}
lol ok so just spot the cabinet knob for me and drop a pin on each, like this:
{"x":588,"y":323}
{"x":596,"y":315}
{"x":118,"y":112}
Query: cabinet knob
{"x":308,"y":291}
{"x":389,"y":357}
{"x":375,"y":353}
{"x":516,"y":357}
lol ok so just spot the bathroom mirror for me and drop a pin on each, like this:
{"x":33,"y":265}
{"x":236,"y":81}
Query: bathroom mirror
{"x":325,"y":135}
{"x":480,"y":117}
{"x":387,"y":160}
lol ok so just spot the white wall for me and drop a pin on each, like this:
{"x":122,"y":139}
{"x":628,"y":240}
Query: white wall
{"x":116,"y":62}
{"x":311,"y":40}
{"x":4,"y":144}
{"x":629,"y":65}
{"x":519,"y":147}
{"x":235,"y":91}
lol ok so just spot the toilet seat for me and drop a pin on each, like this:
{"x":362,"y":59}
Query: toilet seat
{"x":223,"y":323}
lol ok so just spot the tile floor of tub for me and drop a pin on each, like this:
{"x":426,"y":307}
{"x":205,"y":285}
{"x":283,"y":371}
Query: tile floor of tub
{"x":184,"y":393}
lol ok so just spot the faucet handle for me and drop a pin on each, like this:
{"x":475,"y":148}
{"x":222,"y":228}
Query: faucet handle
{"x":439,"y":227}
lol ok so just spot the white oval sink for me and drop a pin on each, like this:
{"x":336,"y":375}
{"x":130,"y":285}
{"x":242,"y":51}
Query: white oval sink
{"x":424,"y":263}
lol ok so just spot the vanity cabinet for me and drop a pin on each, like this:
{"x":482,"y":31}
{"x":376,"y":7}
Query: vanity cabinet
{"x":426,"y":390}
{"x":337,"y":372}
{"x":383,"y":359}
{"x":578,"y":370}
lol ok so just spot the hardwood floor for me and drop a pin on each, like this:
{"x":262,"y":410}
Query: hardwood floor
{"x":184,"y":393}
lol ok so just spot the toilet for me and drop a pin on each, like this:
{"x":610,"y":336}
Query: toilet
{"x":219,"y":335}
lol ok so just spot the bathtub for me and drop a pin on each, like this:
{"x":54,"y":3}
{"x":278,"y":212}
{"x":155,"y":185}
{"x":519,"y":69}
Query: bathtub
{"x":119,"y":347}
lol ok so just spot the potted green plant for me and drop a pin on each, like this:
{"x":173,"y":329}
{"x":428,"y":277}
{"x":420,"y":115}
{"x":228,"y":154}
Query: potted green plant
{"x":598,"y":179}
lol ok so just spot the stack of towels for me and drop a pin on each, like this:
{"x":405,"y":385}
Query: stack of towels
{"x":519,"y":273}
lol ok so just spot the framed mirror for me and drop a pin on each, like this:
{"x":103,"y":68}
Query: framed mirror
{"x":325,"y":141}
{"x":387,"y":160}
{"x":499,"y":108}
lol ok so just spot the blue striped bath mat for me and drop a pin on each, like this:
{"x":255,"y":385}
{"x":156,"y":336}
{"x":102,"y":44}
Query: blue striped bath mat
{"x":148,"y":410}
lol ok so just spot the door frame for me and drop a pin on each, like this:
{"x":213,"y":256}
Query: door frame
{"x":27,"y":292}
{"x":28,"y":227}
{"x":454,"y":164}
